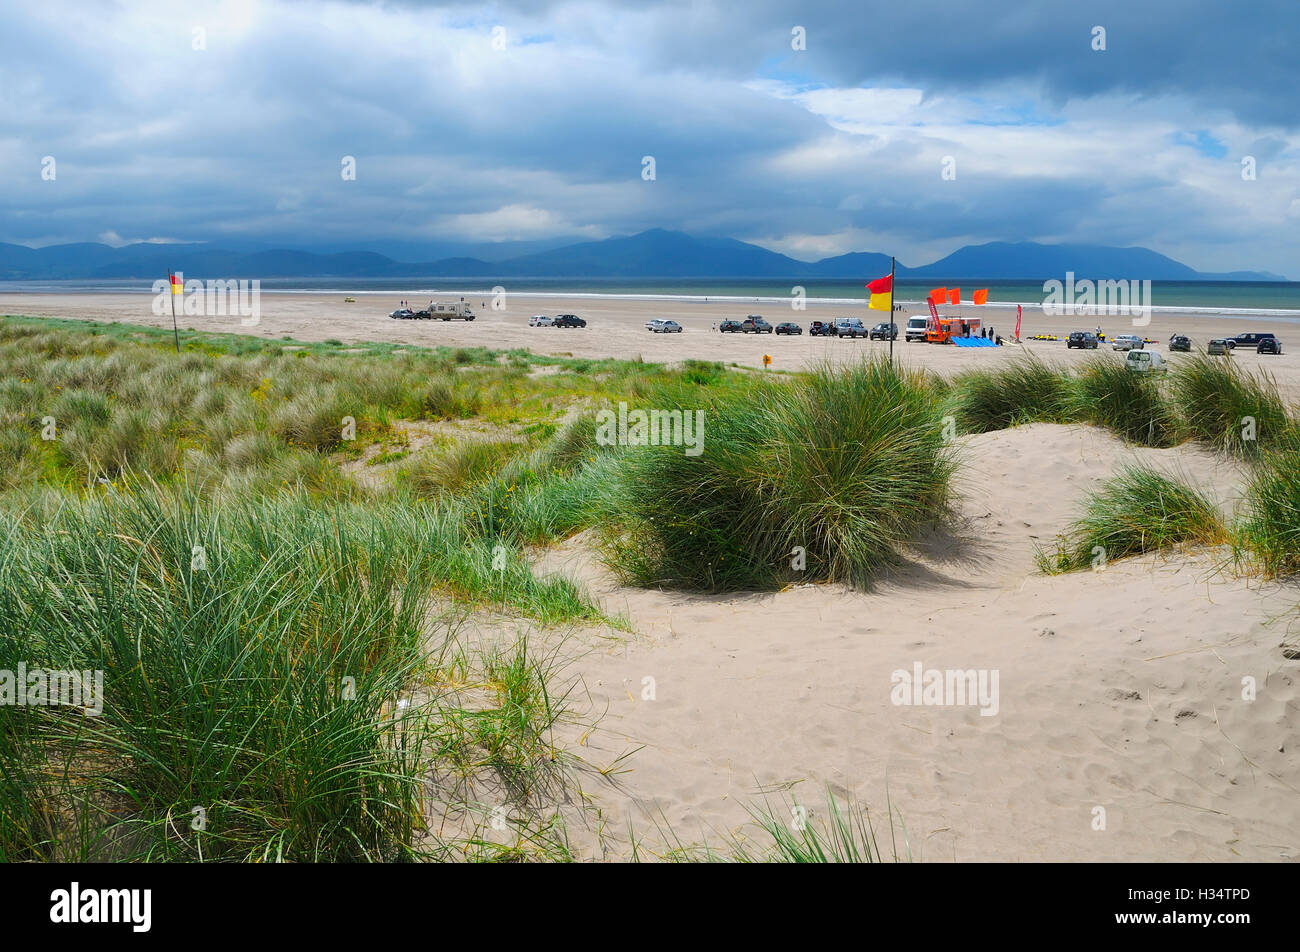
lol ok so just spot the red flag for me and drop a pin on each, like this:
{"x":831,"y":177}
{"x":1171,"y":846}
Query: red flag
{"x":981,"y":296}
{"x":881,"y":285}
{"x":939,"y":295}
{"x":954,"y":296}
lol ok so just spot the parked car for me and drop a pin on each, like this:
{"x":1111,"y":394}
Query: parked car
{"x":403,"y":314}
{"x":1182,"y":343}
{"x":754,"y":324}
{"x":539,"y":320}
{"x":653,"y":323}
{"x":568,"y":320}
{"x":916,"y":326}
{"x":788,"y":327}
{"x":850,"y":327}
{"x":1084,"y":340}
{"x":1249,"y":339}
{"x":885,"y":330}
{"x":1126,"y":342}
{"x":1145,"y":361}
{"x":1269,"y":345}
{"x":821,"y":329}
{"x":667,"y":327}
{"x":1219,"y":345}
{"x":730,"y":327}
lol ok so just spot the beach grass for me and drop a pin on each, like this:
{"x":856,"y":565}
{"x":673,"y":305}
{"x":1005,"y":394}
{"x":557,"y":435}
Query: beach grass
{"x":1132,"y":405}
{"x":826,"y":479}
{"x":1228,"y":409}
{"x":1270,"y":528}
{"x":1139,"y":510}
{"x":1025,"y":391}
{"x":279,"y":679}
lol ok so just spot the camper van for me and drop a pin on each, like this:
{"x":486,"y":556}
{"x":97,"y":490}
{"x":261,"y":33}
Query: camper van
{"x":915,"y":330}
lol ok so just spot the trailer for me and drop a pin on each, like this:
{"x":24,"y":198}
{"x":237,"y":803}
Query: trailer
{"x":460,"y":310}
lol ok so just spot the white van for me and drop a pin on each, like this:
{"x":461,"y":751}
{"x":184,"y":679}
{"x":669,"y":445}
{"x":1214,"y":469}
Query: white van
{"x":1145,"y":362}
{"x":916,"y":325}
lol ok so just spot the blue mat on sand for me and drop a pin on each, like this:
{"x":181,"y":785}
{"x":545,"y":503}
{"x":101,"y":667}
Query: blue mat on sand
{"x":973,"y":342}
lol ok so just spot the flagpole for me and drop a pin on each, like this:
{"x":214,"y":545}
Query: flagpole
{"x":893,"y":327}
{"x":171,"y":293}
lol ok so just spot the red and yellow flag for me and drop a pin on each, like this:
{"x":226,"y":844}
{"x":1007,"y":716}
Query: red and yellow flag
{"x":954,"y":296}
{"x":178,"y":286}
{"x":882,"y":293}
{"x":981,"y":296}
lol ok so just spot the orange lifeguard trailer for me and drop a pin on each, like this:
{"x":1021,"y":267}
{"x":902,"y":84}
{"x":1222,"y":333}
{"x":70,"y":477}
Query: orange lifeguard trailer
{"x":942,"y":330}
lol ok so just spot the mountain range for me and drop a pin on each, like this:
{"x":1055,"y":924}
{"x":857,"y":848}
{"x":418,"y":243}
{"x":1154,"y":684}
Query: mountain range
{"x":650,"y":254}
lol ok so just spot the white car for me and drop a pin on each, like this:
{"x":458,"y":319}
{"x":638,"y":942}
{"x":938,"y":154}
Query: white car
{"x":1126,"y":342}
{"x":653,"y":325}
{"x":1145,"y":362}
{"x":539,"y":320}
{"x":667,"y":327}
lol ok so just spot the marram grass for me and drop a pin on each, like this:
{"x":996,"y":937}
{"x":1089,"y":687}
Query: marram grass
{"x":1138,"y":511}
{"x":268,"y":691}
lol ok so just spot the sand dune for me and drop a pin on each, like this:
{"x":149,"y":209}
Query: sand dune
{"x":1119,"y":689}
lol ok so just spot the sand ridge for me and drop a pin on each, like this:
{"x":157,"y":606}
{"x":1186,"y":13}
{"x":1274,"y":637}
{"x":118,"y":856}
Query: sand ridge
{"x":1119,"y":690}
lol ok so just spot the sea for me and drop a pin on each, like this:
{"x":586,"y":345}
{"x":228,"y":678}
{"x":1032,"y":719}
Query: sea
{"x":1280,"y":299}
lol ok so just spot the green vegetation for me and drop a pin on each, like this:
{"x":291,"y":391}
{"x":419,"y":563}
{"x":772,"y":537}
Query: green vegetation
{"x":300,"y":676}
{"x":1138,"y":511}
{"x":1024,"y":391}
{"x":273,"y":683}
{"x":846,"y":465}
{"x":1271,"y":527}
{"x":1227,"y":408}
{"x":1134,"y":406}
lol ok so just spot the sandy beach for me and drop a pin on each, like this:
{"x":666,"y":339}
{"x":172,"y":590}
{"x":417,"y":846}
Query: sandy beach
{"x":1121,"y":729}
{"x":616,"y":328}
{"x":1121,"y":732}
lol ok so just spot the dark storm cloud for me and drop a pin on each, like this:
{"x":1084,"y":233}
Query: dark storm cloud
{"x":1140,"y":143}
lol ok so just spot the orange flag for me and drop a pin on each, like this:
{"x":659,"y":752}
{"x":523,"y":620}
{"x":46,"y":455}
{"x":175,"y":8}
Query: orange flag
{"x":954,"y":296}
{"x":982,"y":296}
{"x":939,"y":295}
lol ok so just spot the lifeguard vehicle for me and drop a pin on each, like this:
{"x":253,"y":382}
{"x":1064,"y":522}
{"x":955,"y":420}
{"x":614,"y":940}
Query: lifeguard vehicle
{"x":951,"y":330}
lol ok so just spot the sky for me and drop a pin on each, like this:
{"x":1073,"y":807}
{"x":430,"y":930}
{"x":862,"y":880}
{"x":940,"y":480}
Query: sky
{"x":810,"y":128}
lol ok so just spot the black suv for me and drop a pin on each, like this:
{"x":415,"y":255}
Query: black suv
{"x":1250,"y":339}
{"x":821,"y":329}
{"x":1181,"y":342}
{"x":1084,"y":340}
{"x":568,"y":320}
{"x":884,"y":331}
{"x":729,"y":327}
{"x":1269,"y":345}
{"x":755,"y":325}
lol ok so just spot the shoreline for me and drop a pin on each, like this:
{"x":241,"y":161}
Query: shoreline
{"x":919,"y":306}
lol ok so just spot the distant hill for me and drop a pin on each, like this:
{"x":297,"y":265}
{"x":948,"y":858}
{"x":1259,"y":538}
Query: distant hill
{"x":1030,"y":260}
{"x":651,"y":254}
